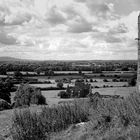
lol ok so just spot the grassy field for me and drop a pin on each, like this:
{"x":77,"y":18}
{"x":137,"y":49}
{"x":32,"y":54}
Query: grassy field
{"x":114,"y":84}
{"x":122,"y":91}
{"x":52,"y":98}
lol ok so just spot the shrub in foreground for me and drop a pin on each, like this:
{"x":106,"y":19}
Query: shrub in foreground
{"x":116,"y":118}
{"x":29,"y":125}
{"x":111,"y":119}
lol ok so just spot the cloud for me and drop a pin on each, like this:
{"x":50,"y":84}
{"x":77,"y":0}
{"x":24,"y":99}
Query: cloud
{"x":113,"y":39}
{"x":80,"y":0}
{"x":119,"y":29}
{"x":17,"y":12}
{"x":55,"y":16}
{"x":7,"y":39}
{"x":102,"y":9}
{"x":78,"y":29}
{"x":79,"y":25}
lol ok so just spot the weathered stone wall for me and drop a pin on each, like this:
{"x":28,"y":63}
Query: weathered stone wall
{"x":138,"y":71}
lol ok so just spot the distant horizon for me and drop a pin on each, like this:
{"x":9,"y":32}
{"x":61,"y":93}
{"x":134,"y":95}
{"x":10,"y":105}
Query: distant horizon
{"x":15,"y":58}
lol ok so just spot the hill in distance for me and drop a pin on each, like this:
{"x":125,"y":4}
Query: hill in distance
{"x":9,"y":59}
{"x":12,"y":59}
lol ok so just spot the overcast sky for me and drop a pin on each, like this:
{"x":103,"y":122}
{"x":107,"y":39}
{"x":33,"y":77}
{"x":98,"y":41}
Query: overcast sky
{"x":69,"y":29}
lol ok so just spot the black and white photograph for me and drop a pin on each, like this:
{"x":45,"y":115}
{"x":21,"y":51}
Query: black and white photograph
{"x":69,"y":69}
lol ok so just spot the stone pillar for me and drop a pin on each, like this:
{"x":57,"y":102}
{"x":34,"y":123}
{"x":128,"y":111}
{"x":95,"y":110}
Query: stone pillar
{"x":138,"y":70}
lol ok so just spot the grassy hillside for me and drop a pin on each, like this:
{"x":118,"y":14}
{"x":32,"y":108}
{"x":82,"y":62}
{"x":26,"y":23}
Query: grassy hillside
{"x":106,"y":120}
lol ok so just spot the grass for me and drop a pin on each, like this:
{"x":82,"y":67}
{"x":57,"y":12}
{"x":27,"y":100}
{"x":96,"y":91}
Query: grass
{"x":122,"y":91}
{"x":110,"y":120}
{"x":37,"y":126}
{"x":116,"y":119}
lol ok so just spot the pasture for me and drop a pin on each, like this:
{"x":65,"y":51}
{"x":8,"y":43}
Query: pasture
{"x":52,"y":98}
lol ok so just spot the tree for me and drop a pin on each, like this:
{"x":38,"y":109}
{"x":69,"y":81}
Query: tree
{"x":9,"y":84}
{"x":132,"y":81}
{"x":105,"y":80}
{"x":80,"y":72}
{"x":5,"y":92}
{"x":38,"y":71}
{"x":17,"y":74}
{"x":60,"y":85}
{"x":50,"y":73}
{"x":79,"y":90}
{"x":91,"y":80}
{"x":46,"y":73}
{"x":26,"y":95}
{"x":63,"y":94}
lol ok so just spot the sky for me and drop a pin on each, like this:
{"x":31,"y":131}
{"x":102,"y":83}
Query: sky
{"x":69,"y":29}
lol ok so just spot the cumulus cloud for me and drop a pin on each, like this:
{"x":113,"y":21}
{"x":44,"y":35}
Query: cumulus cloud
{"x":113,"y":39}
{"x":55,"y":16}
{"x":16,"y":13}
{"x":7,"y":39}
{"x":80,"y":0}
{"x":101,"y":8}
{"x":76,"y":29}
{"x":120,"y":28}
{"x":79,"y":25}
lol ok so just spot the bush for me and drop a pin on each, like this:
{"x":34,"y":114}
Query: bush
{"x":26,"y":95}
{"x":80,"y":89}
{"x":105,"y":80}
{"x":5,"y":91}
{"x":91,"y":80}
{"x":60,"y":85}
{"x":96,"y":87}
{"x":115,"y":117}
{"x":17,"y":74}
{"x":132,"y":81}
{"x":115,"y":80}
{"x":29,"y":125}
{"x":38,"y":99}
{"x":63,"y":94}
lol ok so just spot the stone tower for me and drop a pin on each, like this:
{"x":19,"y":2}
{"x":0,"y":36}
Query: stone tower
{"x":138,"y":71}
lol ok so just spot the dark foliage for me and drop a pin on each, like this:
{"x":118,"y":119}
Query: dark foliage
{"x":105,"y":80}
{"x":63,"y":94}
{"x":60,"y":85}
{"x":79,"y":90}
{"x":132,"y":81}
{"x":5,"y":88}
{"x":26,"y":95}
